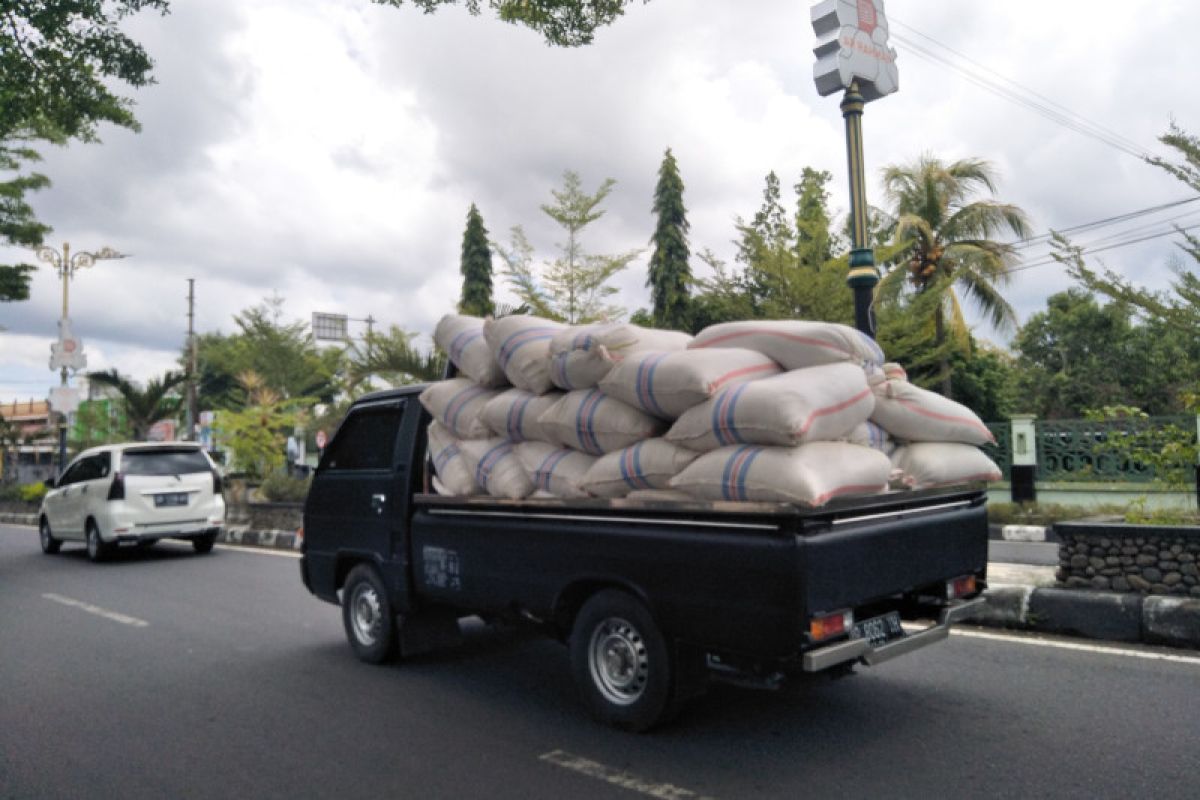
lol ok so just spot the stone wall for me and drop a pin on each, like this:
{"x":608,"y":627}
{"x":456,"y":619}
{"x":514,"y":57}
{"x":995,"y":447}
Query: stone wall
{"x":1143,"y":559}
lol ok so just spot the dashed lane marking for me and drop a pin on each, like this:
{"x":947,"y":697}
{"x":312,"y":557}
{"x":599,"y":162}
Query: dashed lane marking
{"x":1086,"y":648}
{"x":124,"y":619}
{"x":618,"y":777}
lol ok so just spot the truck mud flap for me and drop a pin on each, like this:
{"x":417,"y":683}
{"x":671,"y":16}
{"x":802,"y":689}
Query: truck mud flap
{"x":861,"y":649}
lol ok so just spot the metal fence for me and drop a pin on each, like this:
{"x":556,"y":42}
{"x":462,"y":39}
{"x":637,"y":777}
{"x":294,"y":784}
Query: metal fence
{"x":1082,"y":450}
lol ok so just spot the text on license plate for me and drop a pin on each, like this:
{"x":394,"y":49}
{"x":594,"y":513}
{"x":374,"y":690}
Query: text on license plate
{"x":170,"y":499}
{"x":879,"y":630}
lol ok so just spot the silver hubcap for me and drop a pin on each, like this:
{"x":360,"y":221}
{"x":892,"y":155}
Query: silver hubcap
{"x":618,"y":661}
{"x":365,"y":613}
{"x":93,"y":542}
{"x":45,"y":535}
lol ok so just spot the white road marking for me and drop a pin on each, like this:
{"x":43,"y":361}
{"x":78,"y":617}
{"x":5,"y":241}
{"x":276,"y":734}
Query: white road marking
{"x":263,"y":551}
{"x":617,"y":777}
{"x":124,"y":619}
{"x":1086,"y":648}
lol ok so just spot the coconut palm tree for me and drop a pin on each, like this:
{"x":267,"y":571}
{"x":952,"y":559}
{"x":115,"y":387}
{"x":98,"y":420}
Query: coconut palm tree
{"x":949,"y":238}
{"x":145,"y":407}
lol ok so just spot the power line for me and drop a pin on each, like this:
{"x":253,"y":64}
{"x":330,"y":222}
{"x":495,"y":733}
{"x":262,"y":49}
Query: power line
{"x":1100,"y":223}
{"x":1089,"y":251}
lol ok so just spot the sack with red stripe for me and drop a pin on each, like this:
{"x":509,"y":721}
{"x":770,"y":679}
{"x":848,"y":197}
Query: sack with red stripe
{"x":521,"y":346}
{"x":795,"y":344}
{"x":451,"y":468}
{"x":649,"y":464}
{"x":514,"y":415}
{"x":495,"y":466}
{"x":913,"y":414}
{"x":668,"y":384}
{"x":582,"y":355}
{"x":810,"y":474}
{"x":590,"y":421}
{"x":868,"y":434}
{"x":461,"y":337}
{"x":926,"y":465}
{"x":805,"y":405}
{"x":557,"y":470}
{"x":458,"y":404}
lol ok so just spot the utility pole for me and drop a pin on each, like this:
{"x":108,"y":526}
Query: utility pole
{"x":192,"y":415}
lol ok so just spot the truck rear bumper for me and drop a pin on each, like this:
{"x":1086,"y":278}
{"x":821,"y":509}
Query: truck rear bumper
{"x":861,"y":649}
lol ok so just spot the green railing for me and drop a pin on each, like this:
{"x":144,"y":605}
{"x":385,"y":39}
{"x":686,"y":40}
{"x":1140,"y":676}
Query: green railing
{"x":1001,"y":451}
{"x":1080,"y":450}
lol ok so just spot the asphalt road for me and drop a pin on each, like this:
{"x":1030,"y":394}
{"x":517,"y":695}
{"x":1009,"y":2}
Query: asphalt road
{"x":167,"y":675}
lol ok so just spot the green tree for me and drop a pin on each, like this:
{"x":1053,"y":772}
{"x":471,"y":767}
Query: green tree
{"x":144,"y":407}
{"x":257,"y":432}
{"x":669,"y":274}
{"x":476,"y":268}
{"x":575,"y":286}
{"x":947,"y":237}
{"x":59,"y":61}
{"x":394,"y":358}
{"x":563,"y":23}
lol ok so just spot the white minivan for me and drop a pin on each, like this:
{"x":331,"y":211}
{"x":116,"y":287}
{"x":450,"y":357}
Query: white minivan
{"x":134,"y":493}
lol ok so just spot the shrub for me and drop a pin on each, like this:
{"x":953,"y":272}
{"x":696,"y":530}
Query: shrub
{"x":280,"y":487}
{"x":33,"y":492}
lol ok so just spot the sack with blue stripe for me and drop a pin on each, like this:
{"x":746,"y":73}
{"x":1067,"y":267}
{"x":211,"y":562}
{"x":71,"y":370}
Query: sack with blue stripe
{"x":805,"y":405}
{"x":582,"y":355}
{"x":453,"y":474}
{"x":795,"y":343}
{"x":644,"y":466}
{"x":592,"y":422}
{"x":461,"y":338}
{"x":514,"y":414}
{"x":458,"y":404}
{"x":810,"y":474}
{"x":521,"y":346}
{"x":556,"y":470}
{"x":668,"y":384}
{"x":495,"y":466}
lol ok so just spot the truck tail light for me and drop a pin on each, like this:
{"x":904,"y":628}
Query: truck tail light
{"x":830,"y":625}
{"x":116,"y":489}
{"x":960,"y":587}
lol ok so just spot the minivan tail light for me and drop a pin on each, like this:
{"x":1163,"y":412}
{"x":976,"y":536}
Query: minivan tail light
{"x":216,"y":482}
{"x":116,"y":490}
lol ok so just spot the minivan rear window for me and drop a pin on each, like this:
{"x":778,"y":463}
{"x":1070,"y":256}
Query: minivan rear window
{"x":163,"y":462}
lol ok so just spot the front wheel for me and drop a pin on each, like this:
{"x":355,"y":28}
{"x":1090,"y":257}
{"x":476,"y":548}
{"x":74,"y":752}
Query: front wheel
{"x":50,"y":545}
{"x":367,"y":616}
{"x":621,"y":663}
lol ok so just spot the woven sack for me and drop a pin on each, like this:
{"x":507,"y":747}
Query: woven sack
{"x":495,"y":466}
{"x":660,"y":496}
{"x":805,"y":405}
{"x":795,"y":344}
{"x":649,"y":464}
{"x":868,"y":434}
{"x":453,"y":473}
{"x":668,"y":384}
{"x":926,"y":465}
{"x":913,"y":414}
{"x":458,"y":404}
{"x":582,"y":355}
{"x":592,"y":422}
{"x":557,"y":470}
{"x":811,"y":474}
{"x":514,"y":414}
{"x":521,"y":346}
{"x":461,"y":337}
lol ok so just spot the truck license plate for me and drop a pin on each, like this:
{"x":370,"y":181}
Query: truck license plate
{"x":879,"y":630}
{"x":170,"y":499}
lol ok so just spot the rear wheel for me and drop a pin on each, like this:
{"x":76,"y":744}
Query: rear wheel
{"x":367,"y":616}
{"x":50,"y":545}
{"x":621,"y":662}
{"x":204,"y":544}
{"x":97,"y":549}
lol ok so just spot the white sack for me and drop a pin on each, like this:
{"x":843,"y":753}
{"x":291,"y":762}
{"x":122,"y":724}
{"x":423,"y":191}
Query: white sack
{"x":661,"y":496}
{"x":521,"y":346}
{"x":913,"y":414}
{"x":461,"y":337}
{"x":810,"y":474}
{"x":582,"y":355}
{"x":805,"y":405}
{"x":553,"y":469}
{"x":868,"y":434}
{"x":795,"y":344}
{"x":646,"y":465}
{"x":496,"y":468}
{"x":590,"y":421}
{"x":668,"y":384}
{"x":925,"y":465}
{"x":458,"y":404}
{"x":514,"y":415}
{"x":454,"y":474}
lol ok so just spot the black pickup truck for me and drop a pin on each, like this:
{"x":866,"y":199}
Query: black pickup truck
{"x":654,"y":599}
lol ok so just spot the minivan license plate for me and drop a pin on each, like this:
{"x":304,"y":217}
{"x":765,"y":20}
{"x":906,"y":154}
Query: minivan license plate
{"x":171,"y":499}
{"x":879,"y":630}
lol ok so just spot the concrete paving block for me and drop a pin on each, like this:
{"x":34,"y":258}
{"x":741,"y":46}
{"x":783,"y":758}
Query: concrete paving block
{"x":1024,"y":533}
{"x":1006,"y":607}
{"x":1172,"y":620}
{"x":1095,"y":615}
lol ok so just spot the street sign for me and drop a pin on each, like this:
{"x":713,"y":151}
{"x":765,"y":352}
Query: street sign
{"x":68,"y":350}
{"x":329,"y":327}
{"x":64,"y":399}
{"x":321,"y":440}
{"x":852,"y":45}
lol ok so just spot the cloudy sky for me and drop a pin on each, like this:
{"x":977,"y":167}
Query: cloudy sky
{"x":326,"y":151}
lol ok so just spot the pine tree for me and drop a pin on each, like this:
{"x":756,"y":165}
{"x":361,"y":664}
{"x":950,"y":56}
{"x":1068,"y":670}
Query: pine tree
{"x":669,"y":273}
{"x":476,"y":268}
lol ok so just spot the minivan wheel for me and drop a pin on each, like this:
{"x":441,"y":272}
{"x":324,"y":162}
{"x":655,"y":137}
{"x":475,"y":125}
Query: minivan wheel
{"x":204,"y":544}
{"x":97,"y":549}
{"x":50,"y":545}
{"x":367,"y":616}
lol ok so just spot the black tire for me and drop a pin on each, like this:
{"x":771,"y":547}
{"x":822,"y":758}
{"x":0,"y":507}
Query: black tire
{"x":97,"y":549}
{"x":204,"y":544}
{"x":621,"y":663}
{"x":367,"y":615}
{"x":50,"y":545}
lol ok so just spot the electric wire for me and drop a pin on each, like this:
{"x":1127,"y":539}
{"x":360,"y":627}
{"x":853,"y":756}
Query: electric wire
{"x":1100,"y":223}
{"x":1084,"y":251}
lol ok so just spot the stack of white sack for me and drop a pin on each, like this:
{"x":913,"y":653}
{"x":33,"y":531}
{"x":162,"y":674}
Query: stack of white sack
{"x":581,"y":356}
{"x":795,"y":344}
{"x":668,"y":384}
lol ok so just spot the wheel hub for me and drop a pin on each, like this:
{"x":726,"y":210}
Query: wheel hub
{"x":619,"y":661}
{"x":366,"y":614}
